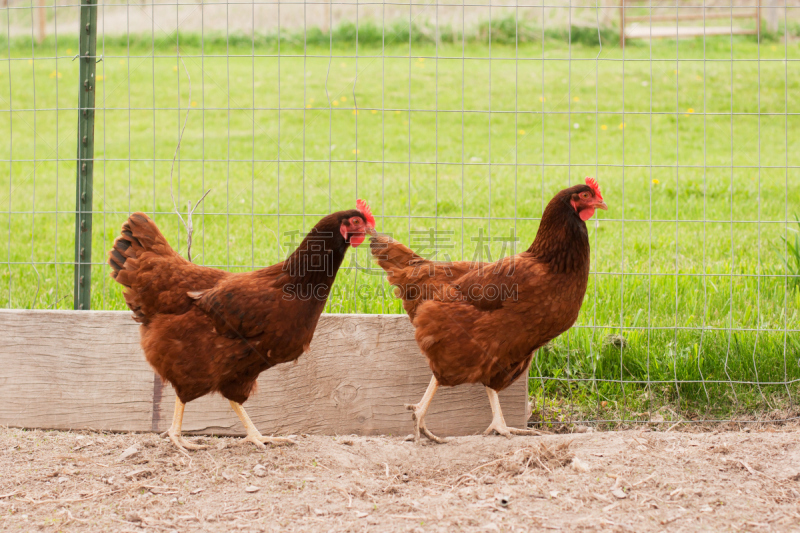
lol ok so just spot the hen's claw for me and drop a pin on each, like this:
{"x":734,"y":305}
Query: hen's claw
{"x":419,"y":411}
{"x":174,"y":431}
{"x":253,"y":435}
{"x":419,"y":418}
{"x":505,"y":431}
{"x":432,"y":437}
{"x":179,"y":441}
{"x":498,"y":424}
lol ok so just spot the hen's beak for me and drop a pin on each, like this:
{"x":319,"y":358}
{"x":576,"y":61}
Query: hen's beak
{"x":601,"y":205}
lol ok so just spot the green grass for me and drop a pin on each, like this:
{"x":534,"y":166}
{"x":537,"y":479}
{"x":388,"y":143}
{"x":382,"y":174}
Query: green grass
{"x":703,"y":295}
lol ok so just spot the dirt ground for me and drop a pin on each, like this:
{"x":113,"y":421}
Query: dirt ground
{"x":616,"y":481}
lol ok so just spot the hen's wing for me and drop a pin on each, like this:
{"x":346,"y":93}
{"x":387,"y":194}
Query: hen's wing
{"x":418,"y":279}
{"x":490,"y":285}
{"x":489,"y":334}
{"x":155,"y":277}
{"x":241,"y":305}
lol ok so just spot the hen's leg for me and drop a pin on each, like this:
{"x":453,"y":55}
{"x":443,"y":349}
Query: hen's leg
{"x":419,"y":412}
{"x":498,"y":424}
{"x":175,"y":429}
{"x":253,"y":435}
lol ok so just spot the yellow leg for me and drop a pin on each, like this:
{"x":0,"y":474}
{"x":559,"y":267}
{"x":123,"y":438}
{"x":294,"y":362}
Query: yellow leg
{"x":498,"y":424}
{"x":253,"y":435}
{"x":419,"y":411}
{"x":175,"y":429}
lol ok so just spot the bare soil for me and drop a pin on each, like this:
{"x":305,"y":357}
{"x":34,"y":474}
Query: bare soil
{"x":616,"y":481}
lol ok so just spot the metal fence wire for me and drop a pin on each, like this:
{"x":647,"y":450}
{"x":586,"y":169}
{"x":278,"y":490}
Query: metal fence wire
{"x":457,"y":122}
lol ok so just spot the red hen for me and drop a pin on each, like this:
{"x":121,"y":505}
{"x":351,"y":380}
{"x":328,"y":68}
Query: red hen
{"x":482,"y":322}
{"x":206,"y":330}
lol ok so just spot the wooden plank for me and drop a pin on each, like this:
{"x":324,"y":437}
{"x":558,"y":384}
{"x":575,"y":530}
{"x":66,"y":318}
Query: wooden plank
{"x":694,"y":16}
{"x":85,"y":369}
{"x":662,"y":32}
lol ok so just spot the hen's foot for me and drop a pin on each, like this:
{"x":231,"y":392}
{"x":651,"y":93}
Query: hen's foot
{"x":174,"y":430}
{"x":498,"y":424}
{"x":178,"y":440}
{"x":253,"y":435}
{"x":261,"y":441}
{"x":502,"y":429}
{"x":418,"y":416}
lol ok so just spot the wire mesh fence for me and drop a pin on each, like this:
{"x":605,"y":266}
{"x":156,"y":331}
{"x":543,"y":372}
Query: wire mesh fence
{"x":457,"y":122}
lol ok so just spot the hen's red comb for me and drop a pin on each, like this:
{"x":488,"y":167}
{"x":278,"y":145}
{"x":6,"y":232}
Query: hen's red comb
{"x":362,"y":206}
{"x":591,"y":182}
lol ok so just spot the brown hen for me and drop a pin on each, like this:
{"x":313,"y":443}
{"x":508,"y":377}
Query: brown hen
{"x":482,"y":322}
{"x":206,"y":330}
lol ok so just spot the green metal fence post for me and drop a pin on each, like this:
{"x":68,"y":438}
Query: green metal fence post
{"x":83,"y":194}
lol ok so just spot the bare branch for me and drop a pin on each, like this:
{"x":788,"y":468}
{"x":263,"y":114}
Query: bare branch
{"x":190,"y":226}
{"x":187,"y":224}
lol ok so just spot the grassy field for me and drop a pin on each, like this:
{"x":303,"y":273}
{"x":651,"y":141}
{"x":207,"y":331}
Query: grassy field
{"x":690,"y":259}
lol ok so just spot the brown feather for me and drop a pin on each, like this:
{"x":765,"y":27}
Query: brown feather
{"x":481,"y":323}
{"x":206,"y":330}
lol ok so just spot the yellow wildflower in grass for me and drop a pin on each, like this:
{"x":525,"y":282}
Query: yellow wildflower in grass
{"x":335,"y":102}
{"x":690,"y":110}
{"x":656,"y":182}
{"x":308,"y":106}
{"x":100,"y":78}
{"x":622,"y":126}
{"x":175,"y":68}
{"x":342,"y":64}
{"x":30,"y":61}
{"x":69,"y":50}
{"x":541,"y":98}
{"x":356,"y":151}
{"x":343,"y":98}
{"x":603,"y":127}
{"x":397,"y":112}
{"x":355,"y":111}
{"x":576,"y":99}
{"x":699,"y":78}
{"x":311,"y":100}
{"x":374,"y":112}
{"x":522,"y":132}
{"x":194,"y":104}
{"x":774,"y":48}
{"x":121,"y":62}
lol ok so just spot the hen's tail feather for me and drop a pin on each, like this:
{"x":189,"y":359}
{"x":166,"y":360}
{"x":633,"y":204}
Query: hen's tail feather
{"x":417,"y":278}
{"x":139,"y":235}
{"x":395,"y":258}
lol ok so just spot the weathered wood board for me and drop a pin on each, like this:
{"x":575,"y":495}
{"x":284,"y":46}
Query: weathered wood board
{"x":85,"y":369}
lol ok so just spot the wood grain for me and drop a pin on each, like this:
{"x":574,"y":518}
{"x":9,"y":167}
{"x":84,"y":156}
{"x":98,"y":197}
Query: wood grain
{"x":85,"y":369}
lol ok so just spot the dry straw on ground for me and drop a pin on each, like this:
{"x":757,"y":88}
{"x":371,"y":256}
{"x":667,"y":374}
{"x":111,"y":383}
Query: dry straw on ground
{"x":707,"y":480}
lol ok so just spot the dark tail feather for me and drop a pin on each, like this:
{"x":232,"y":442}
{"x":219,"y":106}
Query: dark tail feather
{"x":139,"y":235}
